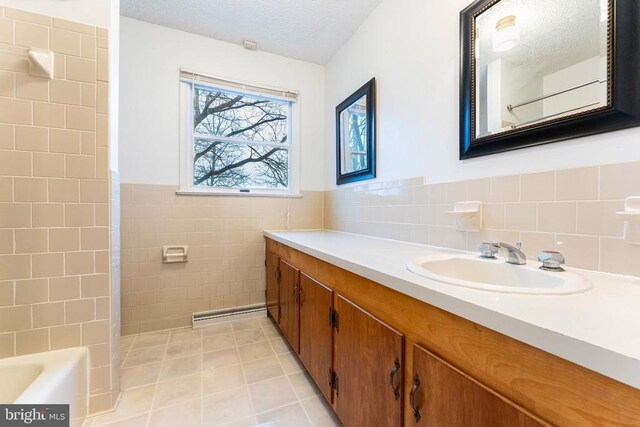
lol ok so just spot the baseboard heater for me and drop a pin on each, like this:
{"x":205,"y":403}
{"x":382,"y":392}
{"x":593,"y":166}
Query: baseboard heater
{"x":204,"y":318}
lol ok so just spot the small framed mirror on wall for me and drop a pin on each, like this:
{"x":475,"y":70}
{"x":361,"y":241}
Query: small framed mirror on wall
{"x":541,"y":71}
{"x":355,"y":136}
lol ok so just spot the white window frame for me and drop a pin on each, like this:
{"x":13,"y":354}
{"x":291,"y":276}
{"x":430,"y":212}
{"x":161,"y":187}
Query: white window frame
{"x":187,"y":137}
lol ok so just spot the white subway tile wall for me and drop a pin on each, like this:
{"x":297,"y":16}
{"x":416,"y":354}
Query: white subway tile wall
{"x":226,"y":251}
{"x":55,"y":273}
{"x":571,"y":210}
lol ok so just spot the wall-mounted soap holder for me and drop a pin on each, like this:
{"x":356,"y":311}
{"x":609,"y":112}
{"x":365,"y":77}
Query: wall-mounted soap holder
{"x":631,"y":218}
{"x":173,"y":254}
{"x":467,"y":215}
{"x":41,"y":61}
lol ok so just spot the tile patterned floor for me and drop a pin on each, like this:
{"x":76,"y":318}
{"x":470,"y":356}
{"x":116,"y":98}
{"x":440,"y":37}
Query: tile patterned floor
{"x":233,"y":374}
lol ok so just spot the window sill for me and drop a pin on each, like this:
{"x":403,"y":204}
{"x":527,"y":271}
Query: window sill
{"x":191,"y":192}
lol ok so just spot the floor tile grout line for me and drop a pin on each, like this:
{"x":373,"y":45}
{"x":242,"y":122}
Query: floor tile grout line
{"x":303,"y":371}
{"x":155,"y":385}
{"x":263,"y":326}
{"x":120,"y":420}
{"x":128,"y":351}
{"x":275,"y":408}
{"x":244,"y":375}
{"x":225,"y":390}
{"x":133,"y":415}
{"x":140,"y":365}
{"x":173,"y":405}
{"x":304,"y":409}
{"x":158,"y":331}
{"x":160,"y":381}
{"x":298,"y":400}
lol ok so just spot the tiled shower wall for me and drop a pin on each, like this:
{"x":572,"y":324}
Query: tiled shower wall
{"x":55,"y":289}
{"x":226,"y":251}
{"x":572,"y":210}
{"x":116,"y":296}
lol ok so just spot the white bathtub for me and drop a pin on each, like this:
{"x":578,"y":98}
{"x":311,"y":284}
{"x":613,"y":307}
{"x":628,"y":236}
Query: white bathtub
{"x":58,"y":376}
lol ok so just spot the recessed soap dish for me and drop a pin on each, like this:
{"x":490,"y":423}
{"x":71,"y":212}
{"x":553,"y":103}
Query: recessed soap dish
{"x":631,"y":218}
{"x":468,"y":215}
{"x":173,"y":254}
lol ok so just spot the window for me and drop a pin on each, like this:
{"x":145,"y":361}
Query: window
{"x":236,"y":138}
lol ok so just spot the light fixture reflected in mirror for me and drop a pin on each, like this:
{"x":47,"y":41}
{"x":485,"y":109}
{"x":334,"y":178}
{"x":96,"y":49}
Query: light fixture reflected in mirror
{"x":507,"y":34}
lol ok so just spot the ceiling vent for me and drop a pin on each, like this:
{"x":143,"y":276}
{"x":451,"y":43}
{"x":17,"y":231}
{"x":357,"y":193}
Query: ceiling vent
{"x":248,"y":44}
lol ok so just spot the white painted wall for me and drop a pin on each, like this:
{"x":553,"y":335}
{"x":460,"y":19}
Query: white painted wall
{"x":518,"y":85}
{"x":582,"y":72}
{"x":411,"y":47}
{"x":92,"y":12}
{"x":151,"y":57}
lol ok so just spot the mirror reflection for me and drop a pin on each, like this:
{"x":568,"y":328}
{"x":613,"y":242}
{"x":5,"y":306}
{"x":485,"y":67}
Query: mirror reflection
{"x":353,"y":137}
{"x":537,"y":61}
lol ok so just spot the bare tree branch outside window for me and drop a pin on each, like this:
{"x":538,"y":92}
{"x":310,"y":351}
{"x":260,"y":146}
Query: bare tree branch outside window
{"x":357,"y":139}
{"x":240,"y":140}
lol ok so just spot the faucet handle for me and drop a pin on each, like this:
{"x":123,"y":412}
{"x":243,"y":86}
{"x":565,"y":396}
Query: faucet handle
{"x":488,"y":249}
{"x":551,"y":260}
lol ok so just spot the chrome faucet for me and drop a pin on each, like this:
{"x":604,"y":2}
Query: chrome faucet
{"x":513,"y":254}
{"x":551,"y":260}
{"x":488,"y":250}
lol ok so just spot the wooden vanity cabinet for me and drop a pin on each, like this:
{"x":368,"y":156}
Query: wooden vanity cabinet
{"x":289,"y":291}
{"x":272,"y":293}
{"x":442,"y":395}
{"x":365,"y":380}
{"x":469,"y":375}
{"x":369,"y":368}
{"x":316,"y":332}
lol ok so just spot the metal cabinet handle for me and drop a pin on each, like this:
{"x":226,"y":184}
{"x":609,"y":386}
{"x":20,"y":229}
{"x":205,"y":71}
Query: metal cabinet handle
{"x":412,"y":398}
{"x":394,"y":387}
{"x":300,"y":294}
{"x":296,"y":294}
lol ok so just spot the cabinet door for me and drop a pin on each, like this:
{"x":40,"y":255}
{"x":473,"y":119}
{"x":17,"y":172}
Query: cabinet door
{"x":441,"y":395}
{"x":368,"y":366}
{"x":272,"y":292}
{"x":316,"y":332}
{"x":289,"y":307}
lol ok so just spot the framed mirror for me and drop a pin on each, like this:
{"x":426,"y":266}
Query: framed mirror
{"x":541,"y":71}
{"x":355,"y":136}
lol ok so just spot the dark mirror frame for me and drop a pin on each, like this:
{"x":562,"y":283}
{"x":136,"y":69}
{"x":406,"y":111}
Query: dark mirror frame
{"x":368,"y":90}
{"x":622,"y":112}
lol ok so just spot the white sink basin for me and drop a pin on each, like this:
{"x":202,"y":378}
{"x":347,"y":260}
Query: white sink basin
{"x":496,"y":275}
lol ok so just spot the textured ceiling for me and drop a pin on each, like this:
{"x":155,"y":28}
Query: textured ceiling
{"x":554,"y":33}
{"x":311,"y":30}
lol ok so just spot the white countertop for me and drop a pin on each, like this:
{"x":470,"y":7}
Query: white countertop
{"x":598,"y":329}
